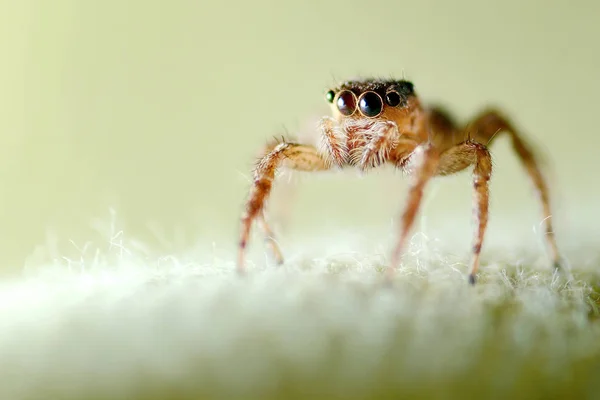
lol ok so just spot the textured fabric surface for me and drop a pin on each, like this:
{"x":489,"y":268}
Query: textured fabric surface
{"x":122,"y":326}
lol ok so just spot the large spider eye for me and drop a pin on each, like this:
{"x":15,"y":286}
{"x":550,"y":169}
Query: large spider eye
{"x":330,"y":96}
{"x":370,"y":104}
{"x":346,"y":102}
{"x":392,"y":98}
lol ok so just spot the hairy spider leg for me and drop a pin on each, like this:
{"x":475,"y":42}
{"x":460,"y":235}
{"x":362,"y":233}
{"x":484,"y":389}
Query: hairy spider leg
{"x":455,"y":160}
{"x":270,"y":240}
{"x":425,"y":159}
{"x":289,"y":155}
{"x":488,"y":126}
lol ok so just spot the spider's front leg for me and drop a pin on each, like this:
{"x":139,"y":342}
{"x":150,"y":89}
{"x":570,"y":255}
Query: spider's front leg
{"x":458,"y":158}
{"x":289,"y":155}
{"x":484,"y":129}
{"x":425,"y":159}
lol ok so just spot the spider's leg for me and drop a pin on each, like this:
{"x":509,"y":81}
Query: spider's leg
{"x":488,"y":126}
{"x":385,"y":137}
{"x":333,"y":141}
{"x":270,"y":238}
{"x":458,"y":158}
{"x":332,"y":145}
{"x":290,"y":155}
{"x":427,"y":161}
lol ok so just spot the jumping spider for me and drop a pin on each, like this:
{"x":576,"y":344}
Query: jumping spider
{"x":383,"y":121}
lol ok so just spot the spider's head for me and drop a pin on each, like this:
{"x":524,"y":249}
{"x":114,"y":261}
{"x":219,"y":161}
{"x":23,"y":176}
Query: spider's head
{"x":371,"y":98}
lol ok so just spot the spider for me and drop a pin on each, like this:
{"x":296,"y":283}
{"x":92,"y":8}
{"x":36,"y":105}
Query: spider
{"x":378,"y":121}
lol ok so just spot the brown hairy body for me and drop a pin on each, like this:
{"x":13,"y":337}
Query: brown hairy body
{"x":383,"y":121}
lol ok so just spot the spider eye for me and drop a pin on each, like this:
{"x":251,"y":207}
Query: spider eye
{"x":329,"y":96}
{"x":392,"y":98}
{"x":346,"y":102}
{"x":370,"y":104}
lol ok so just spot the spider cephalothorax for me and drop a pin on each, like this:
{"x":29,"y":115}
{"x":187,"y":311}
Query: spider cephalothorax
{"x":382,"y":121}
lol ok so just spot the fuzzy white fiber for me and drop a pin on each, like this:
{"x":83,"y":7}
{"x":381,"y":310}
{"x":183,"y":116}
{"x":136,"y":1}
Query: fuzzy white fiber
{"x":127,"y":327}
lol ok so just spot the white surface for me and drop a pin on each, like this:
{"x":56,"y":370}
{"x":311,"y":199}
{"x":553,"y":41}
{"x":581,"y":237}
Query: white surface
{"x":121,"y":323}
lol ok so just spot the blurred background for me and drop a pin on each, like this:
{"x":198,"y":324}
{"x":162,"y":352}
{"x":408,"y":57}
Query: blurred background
{"x":157,"y":110}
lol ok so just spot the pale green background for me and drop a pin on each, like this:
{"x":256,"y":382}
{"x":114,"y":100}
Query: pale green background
{"x":157,"y":109}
